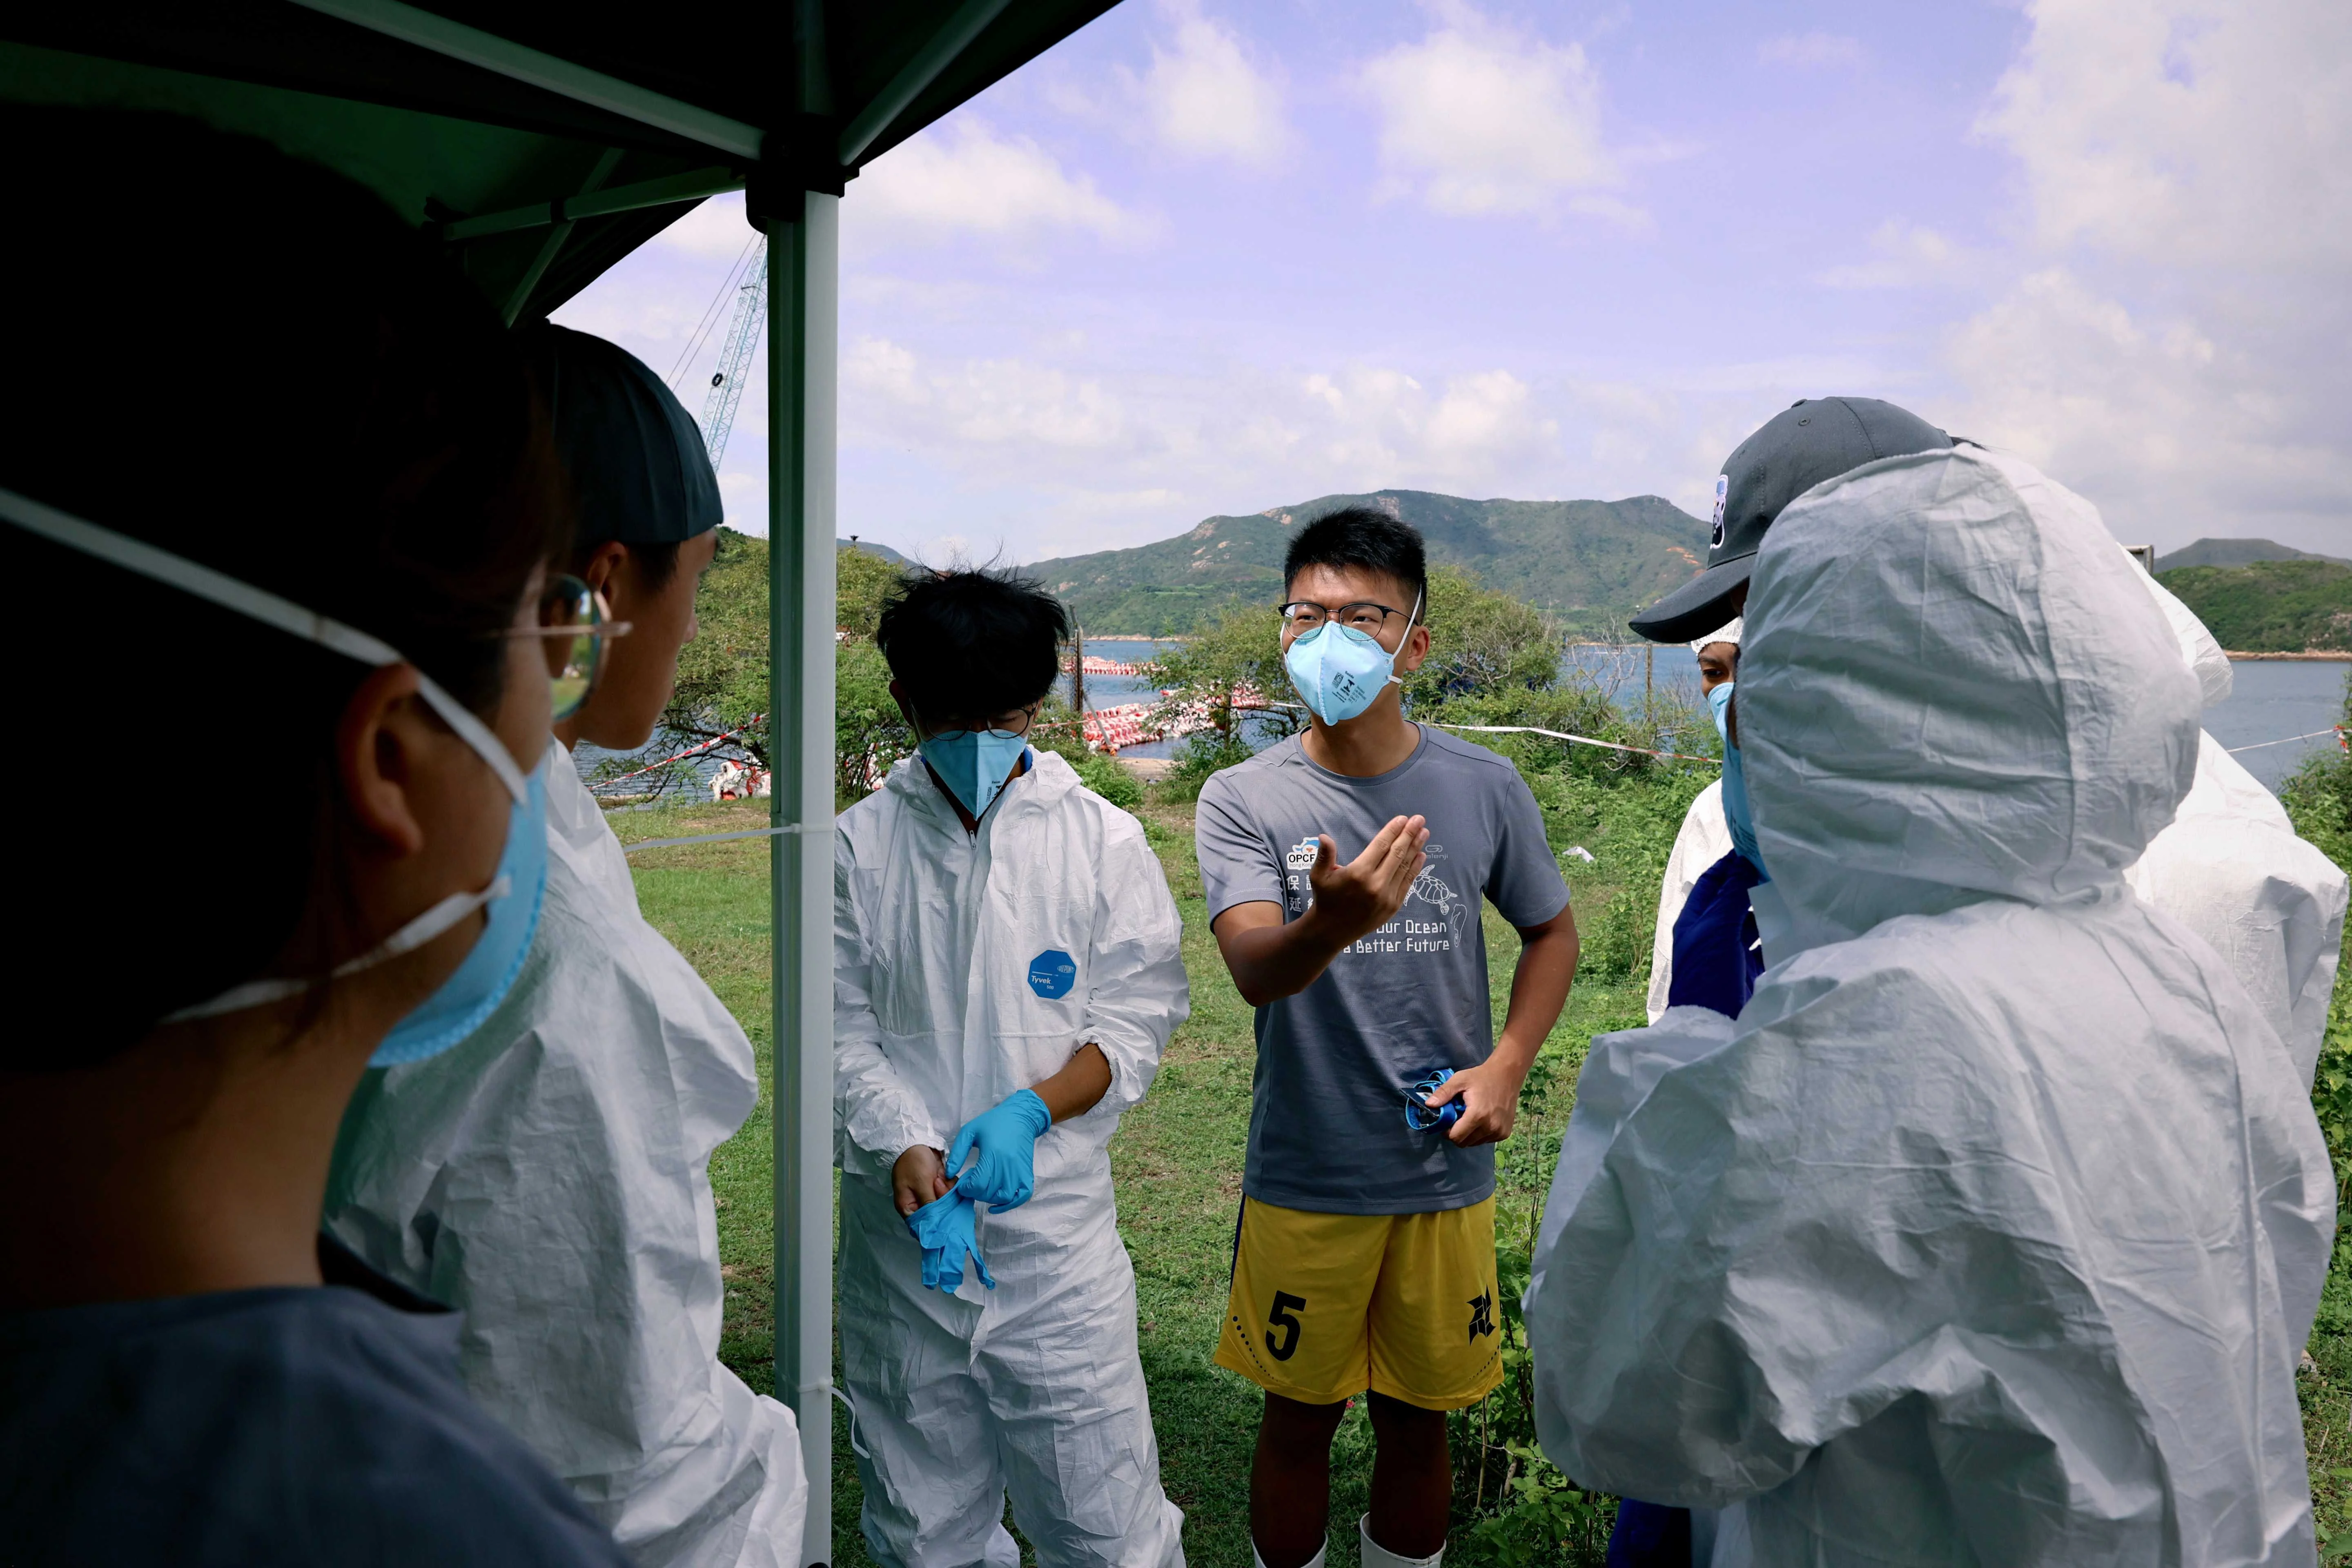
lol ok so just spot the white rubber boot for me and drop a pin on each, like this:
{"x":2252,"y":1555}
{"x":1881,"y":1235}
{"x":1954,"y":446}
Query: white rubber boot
{"x":1379,"y":1556}
{"x":1257,"y":1561}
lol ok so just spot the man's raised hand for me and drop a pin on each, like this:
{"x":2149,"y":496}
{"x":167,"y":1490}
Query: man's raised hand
{"x":1365,"y":894}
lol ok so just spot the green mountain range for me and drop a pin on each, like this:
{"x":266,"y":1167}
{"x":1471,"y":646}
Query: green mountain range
{"x":1589,"y":564}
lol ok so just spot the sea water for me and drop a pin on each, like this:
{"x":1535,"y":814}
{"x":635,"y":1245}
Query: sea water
{"x":2270,"y":700}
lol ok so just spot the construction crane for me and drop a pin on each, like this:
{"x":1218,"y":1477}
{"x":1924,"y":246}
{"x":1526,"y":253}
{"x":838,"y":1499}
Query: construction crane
{"x":735,"y":356}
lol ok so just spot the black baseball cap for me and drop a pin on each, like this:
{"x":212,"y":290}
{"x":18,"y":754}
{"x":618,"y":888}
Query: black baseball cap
{"x":1813,"y":439}
{"x":639,"y":470}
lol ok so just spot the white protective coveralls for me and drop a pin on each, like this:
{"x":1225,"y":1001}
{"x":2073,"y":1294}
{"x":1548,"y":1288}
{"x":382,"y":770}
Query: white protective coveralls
{"x":1990,"y":1230}
{"x":1704,"y":838}
{"x":549,"y":1176}
{"x":966,"y":967}
{"x":2232,"y":869}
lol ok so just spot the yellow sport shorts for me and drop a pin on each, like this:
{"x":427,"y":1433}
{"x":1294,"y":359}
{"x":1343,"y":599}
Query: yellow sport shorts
{"x":1325,"y":1306}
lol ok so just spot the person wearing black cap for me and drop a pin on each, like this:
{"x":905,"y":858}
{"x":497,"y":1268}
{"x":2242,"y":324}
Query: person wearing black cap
{"x":550,"y":1175}
{"x":1710,"y":943}
{"x":1811,"y":441}
{"x":1990,"y":1228}
{"x":1714,"y":944}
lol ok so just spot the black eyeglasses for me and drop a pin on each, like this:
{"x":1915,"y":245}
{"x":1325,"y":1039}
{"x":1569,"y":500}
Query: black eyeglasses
{"x":1304,"y":615}
{"x":1012,"y":726}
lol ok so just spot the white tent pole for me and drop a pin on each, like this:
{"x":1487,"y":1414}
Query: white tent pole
{"x":802,"y":331}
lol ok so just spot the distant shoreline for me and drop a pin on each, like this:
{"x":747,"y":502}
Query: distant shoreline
{"x":2323,"y":656}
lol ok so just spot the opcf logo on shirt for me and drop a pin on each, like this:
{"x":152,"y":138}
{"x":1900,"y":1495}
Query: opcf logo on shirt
{"x":1301,"y":856}
{"x":1051,"y":973}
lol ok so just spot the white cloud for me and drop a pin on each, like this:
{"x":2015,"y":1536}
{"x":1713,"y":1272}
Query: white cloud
{"x":963,"y":179}
{"x":2171,"y":341}
{"x":1812,"y":49}
{"x":1477,"y":118}
{"x":2172,"y":433}
{"x":2177,"y":132}
{"x":1379,"y":421}
{"x":1205,"y":98}
{"x":1903,"y":255}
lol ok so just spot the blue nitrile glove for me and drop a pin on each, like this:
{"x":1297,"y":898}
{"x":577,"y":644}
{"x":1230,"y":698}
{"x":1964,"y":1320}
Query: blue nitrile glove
{"x":1007,"y":1138}
{"x":943,"y":1229}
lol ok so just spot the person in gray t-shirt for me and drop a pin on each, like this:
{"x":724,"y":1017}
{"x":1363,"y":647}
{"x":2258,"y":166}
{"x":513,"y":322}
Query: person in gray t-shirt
{"x":1327,"y":1131}
{"x":1365,"y":1254}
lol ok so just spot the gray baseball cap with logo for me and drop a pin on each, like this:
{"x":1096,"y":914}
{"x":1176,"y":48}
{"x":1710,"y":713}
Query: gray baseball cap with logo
{"x":1813,"y":439}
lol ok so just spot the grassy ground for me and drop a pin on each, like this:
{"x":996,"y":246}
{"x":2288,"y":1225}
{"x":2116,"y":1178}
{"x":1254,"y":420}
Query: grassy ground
{"x":1178,"y":1161}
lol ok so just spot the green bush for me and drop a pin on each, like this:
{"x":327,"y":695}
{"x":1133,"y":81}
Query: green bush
{"x":2319,"y":799}
{"x":1108,"y":780}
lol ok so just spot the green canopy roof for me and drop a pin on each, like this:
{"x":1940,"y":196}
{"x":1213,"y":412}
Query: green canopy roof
{"x":514,"y":123}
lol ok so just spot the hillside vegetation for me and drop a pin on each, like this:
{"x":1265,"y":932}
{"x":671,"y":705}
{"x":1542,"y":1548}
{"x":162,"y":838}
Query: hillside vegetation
{"x":2271,"y":606}
{"x":1589,"y":564}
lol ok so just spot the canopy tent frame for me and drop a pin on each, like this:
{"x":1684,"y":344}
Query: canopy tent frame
{"x":398,"y":96}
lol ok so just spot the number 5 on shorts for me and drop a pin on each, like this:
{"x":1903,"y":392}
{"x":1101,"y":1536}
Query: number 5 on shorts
{"x":1284,"y":1302}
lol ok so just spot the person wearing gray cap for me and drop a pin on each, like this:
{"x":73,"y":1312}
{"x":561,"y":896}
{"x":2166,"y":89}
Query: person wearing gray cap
{"x":549,"y":1176}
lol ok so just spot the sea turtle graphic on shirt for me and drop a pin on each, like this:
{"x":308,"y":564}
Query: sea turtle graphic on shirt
{"x":1431,"y":890}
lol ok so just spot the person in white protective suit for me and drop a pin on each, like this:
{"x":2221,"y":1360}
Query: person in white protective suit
{"x":1007,"y":970}
{"x":1704,"y":838}
{"x":1989,"y":1231}
{"x":549,"y":1176}
{"x":2233,"y":869}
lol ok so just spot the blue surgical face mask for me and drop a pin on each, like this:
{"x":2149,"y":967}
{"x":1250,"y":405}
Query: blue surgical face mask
{"x":474,"y":990}
{"x":1735,"y":784}
{"x":974,"y":764}
{"x":1338,"y":670}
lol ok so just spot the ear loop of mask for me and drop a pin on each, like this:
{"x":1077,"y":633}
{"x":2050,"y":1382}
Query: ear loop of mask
{"x":407,"y":939}
{"x":194,"y":577}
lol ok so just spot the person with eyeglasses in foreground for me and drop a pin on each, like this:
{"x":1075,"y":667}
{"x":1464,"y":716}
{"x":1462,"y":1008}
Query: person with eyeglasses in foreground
{"x":310,"y":574}
{"x":1344,"y":869}
{"x":549,"y":1176}
{"x":1007,"y":968}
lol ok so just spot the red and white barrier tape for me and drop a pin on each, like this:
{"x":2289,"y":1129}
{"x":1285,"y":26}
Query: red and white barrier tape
{"x":679,"y":757}
{"x":2343,"y":741}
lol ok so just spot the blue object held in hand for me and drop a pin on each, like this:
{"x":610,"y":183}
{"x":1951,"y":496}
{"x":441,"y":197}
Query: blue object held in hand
{"x":1006,"y":1137}
{"x":944,"y":1230}
{"x":1419,"y":1114}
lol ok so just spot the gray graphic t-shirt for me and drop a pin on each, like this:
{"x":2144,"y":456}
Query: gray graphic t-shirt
{"x":1326,"y":1130}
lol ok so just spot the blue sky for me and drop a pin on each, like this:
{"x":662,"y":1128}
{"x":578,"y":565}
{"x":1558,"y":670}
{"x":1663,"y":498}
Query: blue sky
{"x":1207,"y":258}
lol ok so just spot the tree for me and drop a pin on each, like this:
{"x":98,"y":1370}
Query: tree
{"x":1481,"y":641}
{"x":1239,"y":653}
{"x":723,"y":674}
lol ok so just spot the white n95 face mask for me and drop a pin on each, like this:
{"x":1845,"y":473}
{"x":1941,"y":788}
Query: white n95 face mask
{"x":473,"y":990}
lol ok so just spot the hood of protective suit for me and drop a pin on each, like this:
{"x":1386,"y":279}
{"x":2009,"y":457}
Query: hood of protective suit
{"x":2198,"y":649}
{"x":2020,"y":730}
